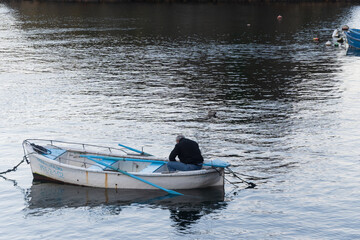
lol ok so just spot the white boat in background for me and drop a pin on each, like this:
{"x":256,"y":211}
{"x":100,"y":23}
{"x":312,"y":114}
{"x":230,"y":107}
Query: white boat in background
{"x":108,"y":167}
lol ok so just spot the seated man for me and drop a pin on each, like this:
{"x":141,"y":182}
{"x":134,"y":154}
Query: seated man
{"x":189,"y":154}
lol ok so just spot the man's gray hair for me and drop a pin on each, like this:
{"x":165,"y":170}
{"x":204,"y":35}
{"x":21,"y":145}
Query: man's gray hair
{"x":179,"y":137}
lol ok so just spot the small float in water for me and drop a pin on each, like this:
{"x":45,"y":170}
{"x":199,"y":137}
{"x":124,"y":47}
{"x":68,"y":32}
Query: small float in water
{"x":114,"y":168}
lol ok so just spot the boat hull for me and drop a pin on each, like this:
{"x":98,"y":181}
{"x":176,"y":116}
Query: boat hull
{"x":46,"y":169}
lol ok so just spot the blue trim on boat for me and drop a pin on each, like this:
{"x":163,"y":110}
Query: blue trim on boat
{"x":123,"y":159}
{"x":213,"y":163}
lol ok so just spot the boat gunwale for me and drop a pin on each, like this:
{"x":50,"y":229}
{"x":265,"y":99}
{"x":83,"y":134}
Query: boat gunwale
{"x":29,"y":140}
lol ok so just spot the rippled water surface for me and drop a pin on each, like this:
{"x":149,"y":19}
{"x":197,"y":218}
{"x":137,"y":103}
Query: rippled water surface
{"x":287,"y":108}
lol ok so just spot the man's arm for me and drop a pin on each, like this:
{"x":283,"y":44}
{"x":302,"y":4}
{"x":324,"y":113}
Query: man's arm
{"x":174,"y":153}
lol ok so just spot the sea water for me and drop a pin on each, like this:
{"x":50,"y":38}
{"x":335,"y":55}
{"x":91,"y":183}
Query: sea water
{"x":287,"y":116}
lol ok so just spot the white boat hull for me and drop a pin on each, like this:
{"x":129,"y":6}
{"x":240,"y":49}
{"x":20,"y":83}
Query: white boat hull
{"x":44,"y":168}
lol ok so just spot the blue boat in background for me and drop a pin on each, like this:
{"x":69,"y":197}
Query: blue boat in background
{"x":355,"y":32}
{"x":353,"y":39}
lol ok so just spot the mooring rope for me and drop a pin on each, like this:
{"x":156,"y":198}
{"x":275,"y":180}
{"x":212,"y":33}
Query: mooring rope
{"x":15,"y":167}
{"x":250,"y":184}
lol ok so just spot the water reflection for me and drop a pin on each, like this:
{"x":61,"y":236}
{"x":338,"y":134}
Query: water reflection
{"x":353,"y":52}
{"x":44,"y":198}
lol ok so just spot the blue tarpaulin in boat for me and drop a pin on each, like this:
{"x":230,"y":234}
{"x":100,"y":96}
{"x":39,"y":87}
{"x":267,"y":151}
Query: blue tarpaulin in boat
{"x":54,"y":153}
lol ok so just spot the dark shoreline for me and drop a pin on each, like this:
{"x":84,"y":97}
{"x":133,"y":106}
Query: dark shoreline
{"x":256,"y":2}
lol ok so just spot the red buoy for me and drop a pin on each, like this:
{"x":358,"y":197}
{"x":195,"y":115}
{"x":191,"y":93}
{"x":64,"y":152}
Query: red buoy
{"x":279,"y":18}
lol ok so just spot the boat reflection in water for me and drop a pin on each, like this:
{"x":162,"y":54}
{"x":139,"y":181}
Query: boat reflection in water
{"x":184,"y":210}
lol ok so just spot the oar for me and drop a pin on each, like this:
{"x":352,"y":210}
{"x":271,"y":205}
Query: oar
{"x":123,"y":159}
{"x":135,"y":150}
{"x":213,"y":163}
{"x":217,"y":163}
{"x":136,"y":177}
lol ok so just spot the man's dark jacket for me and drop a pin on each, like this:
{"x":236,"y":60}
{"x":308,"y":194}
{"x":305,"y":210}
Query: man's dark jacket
{"x":188,"y":152}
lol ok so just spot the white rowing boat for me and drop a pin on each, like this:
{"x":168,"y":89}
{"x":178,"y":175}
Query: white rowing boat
{"x":107,"y":167}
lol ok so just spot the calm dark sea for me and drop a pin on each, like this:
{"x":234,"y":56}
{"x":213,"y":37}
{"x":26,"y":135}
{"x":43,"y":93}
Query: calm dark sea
{"x":139,"y":74}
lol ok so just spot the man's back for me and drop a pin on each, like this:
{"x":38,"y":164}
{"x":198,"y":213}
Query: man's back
{"x":188,"y":152}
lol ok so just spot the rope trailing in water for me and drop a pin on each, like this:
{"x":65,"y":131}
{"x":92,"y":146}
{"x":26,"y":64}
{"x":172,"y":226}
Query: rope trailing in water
{"x":250,"y":184}
{"x":15,"y":167}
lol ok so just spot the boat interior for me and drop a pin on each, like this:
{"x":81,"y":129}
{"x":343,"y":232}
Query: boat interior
{"x":96,"y":158}
{"x":80,"y":159}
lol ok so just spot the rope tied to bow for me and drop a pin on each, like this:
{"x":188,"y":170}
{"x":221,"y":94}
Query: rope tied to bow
{"x":16,"y":166}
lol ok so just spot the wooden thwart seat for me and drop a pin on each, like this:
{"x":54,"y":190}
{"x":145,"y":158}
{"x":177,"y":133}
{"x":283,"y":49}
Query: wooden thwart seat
{"x":152,"y":167}
{"x":102,"y":167}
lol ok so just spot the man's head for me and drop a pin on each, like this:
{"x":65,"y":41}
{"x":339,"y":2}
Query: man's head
{"x":179,"y":137}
